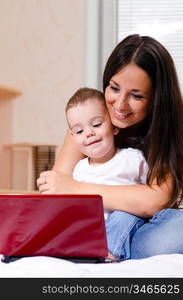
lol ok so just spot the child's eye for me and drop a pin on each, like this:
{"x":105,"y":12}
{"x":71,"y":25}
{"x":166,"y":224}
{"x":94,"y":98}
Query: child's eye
{"x":79,"y":131}
{"x":97,"y":125}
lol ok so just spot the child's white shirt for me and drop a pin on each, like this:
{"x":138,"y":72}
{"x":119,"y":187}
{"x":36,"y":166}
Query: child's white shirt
{"x":128,"y":166}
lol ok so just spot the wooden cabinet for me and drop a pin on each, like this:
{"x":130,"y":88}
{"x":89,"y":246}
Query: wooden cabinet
{"x":27,"y":162}
{"x":7,"y":95}
{"x":20,"y":163}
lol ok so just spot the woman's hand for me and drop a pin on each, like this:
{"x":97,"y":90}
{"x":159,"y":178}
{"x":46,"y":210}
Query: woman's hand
{"x":53,"y":182}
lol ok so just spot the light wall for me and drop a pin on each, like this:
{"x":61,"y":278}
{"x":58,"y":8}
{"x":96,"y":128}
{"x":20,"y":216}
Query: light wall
{"x":42,"y":54}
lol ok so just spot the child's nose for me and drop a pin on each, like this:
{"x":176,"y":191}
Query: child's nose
{"x":90,"y":132}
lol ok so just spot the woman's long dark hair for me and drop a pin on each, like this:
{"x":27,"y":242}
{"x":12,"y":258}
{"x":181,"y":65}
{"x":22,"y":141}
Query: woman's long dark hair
{"x":160,"y":134}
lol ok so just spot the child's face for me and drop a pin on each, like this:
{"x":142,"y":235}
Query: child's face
{"x":92,"y":130}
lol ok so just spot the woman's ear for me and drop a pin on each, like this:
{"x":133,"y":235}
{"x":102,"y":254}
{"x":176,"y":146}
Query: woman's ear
{"x":115,"y":130}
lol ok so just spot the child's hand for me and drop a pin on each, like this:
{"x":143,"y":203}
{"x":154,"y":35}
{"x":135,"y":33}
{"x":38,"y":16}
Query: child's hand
{"x":52,"y":182}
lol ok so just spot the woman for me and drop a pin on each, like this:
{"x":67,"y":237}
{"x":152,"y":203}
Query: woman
{"x":144,"y":100}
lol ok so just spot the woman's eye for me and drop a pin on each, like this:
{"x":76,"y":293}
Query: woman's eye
{"x":97,"y":125}
{"x":137,"y":96}
{"x":113,"y":88}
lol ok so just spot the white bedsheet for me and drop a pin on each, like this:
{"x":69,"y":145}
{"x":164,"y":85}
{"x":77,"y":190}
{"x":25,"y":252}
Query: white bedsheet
{"x":40,"y":266}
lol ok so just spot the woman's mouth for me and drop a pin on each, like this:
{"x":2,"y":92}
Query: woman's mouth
{"x":121,"y":115}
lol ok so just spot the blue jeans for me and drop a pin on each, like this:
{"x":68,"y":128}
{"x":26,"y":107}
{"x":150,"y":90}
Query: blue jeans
{"x":163,"y":234}
{"x":120,"y":229}
{"x":129,"y":236}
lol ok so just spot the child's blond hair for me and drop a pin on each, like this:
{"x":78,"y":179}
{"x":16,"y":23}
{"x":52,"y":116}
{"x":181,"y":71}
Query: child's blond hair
{"x":82,"y":95}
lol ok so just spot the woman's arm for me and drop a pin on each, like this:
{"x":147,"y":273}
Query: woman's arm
{"x":140,"y":200}
{"x":68,"y":156}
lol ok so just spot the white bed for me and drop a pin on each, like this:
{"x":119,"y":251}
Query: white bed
{"x":165,"y":266}
{"x":41,"y":266}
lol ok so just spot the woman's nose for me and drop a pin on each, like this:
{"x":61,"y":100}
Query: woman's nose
{"x":122,"y":102}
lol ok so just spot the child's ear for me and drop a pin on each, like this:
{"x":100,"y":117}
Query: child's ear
{"x":115,"y":130}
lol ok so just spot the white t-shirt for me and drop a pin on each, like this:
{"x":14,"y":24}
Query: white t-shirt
{"x":128,"y":166}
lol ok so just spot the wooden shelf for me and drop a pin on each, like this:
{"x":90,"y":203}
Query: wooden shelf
{"x":11,"y":191}
{"x":12,"y":145}
{"x":4,"y":89}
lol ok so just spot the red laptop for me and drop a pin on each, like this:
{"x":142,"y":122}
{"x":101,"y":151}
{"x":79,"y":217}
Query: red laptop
{"x":67,"y":226}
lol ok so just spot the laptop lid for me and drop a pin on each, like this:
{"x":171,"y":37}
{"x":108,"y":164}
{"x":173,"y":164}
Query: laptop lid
{"x":52,"y":225}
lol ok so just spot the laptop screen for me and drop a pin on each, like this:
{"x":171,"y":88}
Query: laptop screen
{"x":52,"y":225}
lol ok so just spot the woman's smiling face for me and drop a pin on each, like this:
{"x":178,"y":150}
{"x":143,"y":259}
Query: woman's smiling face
{"x":128,"y":96}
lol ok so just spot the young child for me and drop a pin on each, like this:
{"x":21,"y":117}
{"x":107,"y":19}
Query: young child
{"x":93,"y":132}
